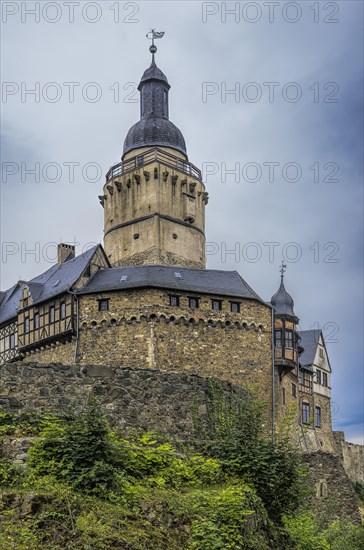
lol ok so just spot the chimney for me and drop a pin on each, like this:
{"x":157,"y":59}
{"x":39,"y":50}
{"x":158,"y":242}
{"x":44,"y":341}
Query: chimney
{"x":65,"y":252}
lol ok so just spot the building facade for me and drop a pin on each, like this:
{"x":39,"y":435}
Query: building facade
{"x":146,"y":300}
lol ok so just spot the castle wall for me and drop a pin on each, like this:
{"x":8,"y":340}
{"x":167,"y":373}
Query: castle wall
{"x":352,"y":456}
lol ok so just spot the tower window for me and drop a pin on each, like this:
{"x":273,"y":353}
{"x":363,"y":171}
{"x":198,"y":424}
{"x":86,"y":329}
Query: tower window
{"x":318,"y":376}
{"x":174,"y":300}
{"x":324,"y":379}
{"x":294,"y":390}
{"x":305,"y":413}
{"x":36,"y":320}
{"x":193,"y":303}
{"x":278,"y":338}
{"x":51,"y":314}
{"x":63,"y":310}
{"x":216,"y":305}
{"x":235,"y":307}
{"x":289,"y":339}
{"x":318,"y":417}
{"x":103,"y":304}
{"x":139,"y":161}
{"x":26,"y":324}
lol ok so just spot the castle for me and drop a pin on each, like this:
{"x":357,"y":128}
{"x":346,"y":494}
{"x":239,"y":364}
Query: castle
{"x":146,"y":300}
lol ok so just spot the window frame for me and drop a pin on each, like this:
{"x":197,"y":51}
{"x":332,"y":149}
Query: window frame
{"x":62,"y":311}
{"x":175,"y":297}
{"x":319,"y":376}
{"x":26,"y":326}
{"x":218,"y":302}
{"x":306,"y":412}
{"x":325,"y":379}
{"x":276,"y":339}
{"x":12,"y":341}
{"x":196,"y":300}
{"x":235,"y":304}
{"x":318,"y":417}
{"x":288,"y":338}
{"x":294,"y":390}
{"x":36,"y":320}
{"x":51,"y":314}
{"x":103,"y":301}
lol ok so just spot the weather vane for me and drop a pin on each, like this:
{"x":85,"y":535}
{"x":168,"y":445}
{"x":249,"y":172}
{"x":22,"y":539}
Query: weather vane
{"x":152,"y":35}
{"x":283,"y":269}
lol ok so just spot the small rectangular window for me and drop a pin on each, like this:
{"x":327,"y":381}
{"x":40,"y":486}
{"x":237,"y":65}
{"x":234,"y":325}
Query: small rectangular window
{"x":174,"y":300}
{"x":216,"y":305}
{"x":193,"y":303}
{"x":36,"y":320}
{"x":294,"y":390}
{"x":321,"y":353}
{"x":318,"y":376}
{"x":278,"y":338}
{"x":284,"y":396}
{"x":51,"y":314}
{"x":103,"y":304}
{"x":26,"y":324}
{"x":12,"y":341}
{"x":235,"y":307}
{"x":324,"y":379}
{"x":305,"y":413}
{"x":139,"y":161}
{"x":318,"y":417}
{"x":63,"y":310}
{"x":289,"y":339}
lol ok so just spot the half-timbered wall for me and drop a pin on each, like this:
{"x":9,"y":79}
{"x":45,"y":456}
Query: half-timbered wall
{"x":8,"y":342}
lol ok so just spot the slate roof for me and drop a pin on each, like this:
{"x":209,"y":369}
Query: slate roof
{"x":309,"y":341}
{"x":54,"y":281}
{"x":282,"y":302}
{"x":204,"y":281}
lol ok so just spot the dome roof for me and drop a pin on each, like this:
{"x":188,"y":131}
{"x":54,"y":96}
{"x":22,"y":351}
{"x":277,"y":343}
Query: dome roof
{"x":283,"y":302}
{"x":154,"y":128}
{"x":154,"y":131}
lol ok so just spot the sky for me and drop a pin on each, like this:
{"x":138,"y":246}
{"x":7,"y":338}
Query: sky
{"x":269,"y":97}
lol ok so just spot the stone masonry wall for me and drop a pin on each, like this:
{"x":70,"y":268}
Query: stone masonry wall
{"x":334,"y":496}
{"x":351,"y":455}
{"x":134,"y":398}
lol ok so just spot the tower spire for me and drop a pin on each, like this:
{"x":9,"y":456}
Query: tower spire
{"x":283,"y":269}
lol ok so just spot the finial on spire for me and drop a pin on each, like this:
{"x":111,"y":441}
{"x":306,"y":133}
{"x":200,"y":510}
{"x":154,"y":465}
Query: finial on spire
{"x":283,"y":269}
{"x":152,"y":35}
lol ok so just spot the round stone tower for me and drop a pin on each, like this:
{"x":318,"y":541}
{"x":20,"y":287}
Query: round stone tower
{"x":154,"y":199}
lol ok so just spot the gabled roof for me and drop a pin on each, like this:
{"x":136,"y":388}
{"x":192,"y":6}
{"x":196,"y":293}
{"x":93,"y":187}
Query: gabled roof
{"x":204,"y":281}
{"x":54,"y":281}
{"x":310,"y":340}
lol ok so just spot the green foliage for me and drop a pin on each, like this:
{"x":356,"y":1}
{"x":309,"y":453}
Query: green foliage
{"x":88,"y":487}
{"x":306,"y":532}
{"x":359,"y":489}
{"x":274,"y":469}
{"x":10,"y":474}
{"x":78,"y":451}
{"x":18,"y":424}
